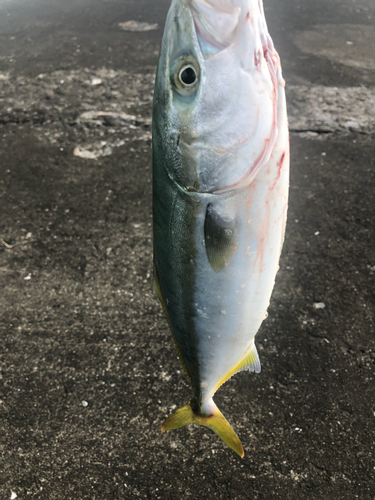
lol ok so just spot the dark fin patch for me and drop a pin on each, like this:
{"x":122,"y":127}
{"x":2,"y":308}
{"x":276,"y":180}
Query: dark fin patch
{"x":159,"y":294}
{"x":221,"y":239}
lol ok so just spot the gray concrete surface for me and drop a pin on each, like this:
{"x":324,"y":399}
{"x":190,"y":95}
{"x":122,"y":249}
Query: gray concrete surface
{"x":88,"y":368}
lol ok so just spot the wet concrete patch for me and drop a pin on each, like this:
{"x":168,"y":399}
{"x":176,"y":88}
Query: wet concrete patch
{"x":323,"y":110}
{"x":348,"y":44}
{"x":87,"y":112}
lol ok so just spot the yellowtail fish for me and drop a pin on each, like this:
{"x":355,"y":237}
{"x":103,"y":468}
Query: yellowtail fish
{"x":220,"y":192}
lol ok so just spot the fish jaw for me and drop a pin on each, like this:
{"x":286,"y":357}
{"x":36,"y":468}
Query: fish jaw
{"x":224,"y":133}
{"x":216,"y":24}
{"x":220,"y":23}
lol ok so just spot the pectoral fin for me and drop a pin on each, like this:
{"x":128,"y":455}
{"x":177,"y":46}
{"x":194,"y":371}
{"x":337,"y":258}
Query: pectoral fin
{"x":220,"y":237}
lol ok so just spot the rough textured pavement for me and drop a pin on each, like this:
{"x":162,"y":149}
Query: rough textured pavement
{"x":88,"y":368}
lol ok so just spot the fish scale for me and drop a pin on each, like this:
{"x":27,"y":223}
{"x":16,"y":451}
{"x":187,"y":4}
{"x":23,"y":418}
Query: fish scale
{"x":220,"y":192}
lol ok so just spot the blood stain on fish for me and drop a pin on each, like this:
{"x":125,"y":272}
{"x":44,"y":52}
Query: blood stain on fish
{"x":279,"y":167}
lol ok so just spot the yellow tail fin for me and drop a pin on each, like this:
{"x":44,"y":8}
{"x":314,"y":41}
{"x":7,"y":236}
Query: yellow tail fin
{"x":188,"y":414}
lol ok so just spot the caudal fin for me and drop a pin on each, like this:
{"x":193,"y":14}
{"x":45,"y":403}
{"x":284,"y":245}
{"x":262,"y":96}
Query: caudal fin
{"x":188,"y":414}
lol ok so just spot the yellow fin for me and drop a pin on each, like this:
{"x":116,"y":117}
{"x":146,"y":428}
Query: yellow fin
{"x":250,"y":361}
{"x":188,"y":414}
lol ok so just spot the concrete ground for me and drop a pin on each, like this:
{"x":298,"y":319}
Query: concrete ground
{"x":88,"y":368}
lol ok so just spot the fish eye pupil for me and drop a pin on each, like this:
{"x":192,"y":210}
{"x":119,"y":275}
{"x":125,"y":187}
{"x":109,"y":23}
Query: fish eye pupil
{"x":188,"y":75}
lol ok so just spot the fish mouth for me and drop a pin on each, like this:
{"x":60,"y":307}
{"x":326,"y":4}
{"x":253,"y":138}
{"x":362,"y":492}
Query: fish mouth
{"x":215,"y":22}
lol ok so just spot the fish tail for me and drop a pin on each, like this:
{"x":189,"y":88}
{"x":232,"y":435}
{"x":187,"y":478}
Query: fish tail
{"x":189,"y":414}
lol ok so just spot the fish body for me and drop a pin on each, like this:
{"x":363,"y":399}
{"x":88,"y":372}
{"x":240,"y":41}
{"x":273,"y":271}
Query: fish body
{"x":220,"y":192}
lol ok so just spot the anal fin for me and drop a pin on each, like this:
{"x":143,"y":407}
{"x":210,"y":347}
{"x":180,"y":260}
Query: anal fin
{"x":250,"y":362}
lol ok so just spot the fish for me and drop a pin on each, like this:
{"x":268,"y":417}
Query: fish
{"x":220,"y":146}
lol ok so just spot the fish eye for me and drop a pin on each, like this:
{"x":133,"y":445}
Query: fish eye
{"x":186,"y":75}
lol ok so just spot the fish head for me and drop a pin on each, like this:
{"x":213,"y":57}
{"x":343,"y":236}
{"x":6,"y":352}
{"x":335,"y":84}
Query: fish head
{"x":216,"y":94}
